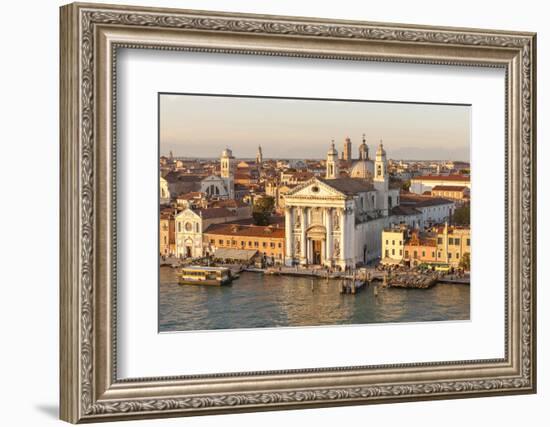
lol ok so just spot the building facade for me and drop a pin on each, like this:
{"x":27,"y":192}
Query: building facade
{"x":190,"y":225}
{"x":423,"y":183}
{"x":164,"y":192}
{"x":269,"y":240}
{"x":337,"y":222}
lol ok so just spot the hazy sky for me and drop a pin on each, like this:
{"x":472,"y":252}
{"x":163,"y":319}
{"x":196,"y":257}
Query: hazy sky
{"x":202,"y":126}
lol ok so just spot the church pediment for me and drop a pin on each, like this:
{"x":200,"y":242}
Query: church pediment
{"x":315,"y":188}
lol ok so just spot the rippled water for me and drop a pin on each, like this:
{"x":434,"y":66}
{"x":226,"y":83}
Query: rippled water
{"x":257,"y":300}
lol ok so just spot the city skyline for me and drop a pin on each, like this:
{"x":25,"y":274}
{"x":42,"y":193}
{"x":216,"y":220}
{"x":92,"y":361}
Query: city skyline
{"x":298,"y":128}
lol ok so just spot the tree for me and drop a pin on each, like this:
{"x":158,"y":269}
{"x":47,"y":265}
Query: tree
{"x":262,"y":209}
{"x":406,"y":186}
{"x":465,"y":261}
{"x":461,"y":215}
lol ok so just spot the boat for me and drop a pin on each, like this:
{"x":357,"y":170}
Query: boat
{"x":211,"y":276}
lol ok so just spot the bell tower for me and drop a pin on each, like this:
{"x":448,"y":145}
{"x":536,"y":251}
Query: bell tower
{"x":332,"y":171}
{"x":381,"y":180}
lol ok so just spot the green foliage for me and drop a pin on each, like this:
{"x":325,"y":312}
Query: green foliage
{"x":262,"y":210}
{"x":461,"y":215}
{"x":406,"y":185}
{"x":465,"y":261}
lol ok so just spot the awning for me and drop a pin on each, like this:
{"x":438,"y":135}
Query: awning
{"x":390,"y":261}
{"x":235,"y":254}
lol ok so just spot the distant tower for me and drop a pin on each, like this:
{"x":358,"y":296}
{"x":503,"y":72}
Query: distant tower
{"x":332,"y":163}
{"x":364,"y":150}
{"x":346,"y":155}
{"x":227,"y":170}
{"x":381,"y":180}
{"x":171,"y":155}
{"x":259,"y":156}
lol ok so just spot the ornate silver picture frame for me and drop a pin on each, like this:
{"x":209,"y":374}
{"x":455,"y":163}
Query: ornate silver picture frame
{"x":90,"y":387}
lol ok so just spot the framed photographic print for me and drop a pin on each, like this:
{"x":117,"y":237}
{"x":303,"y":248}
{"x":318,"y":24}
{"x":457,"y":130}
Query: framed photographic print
{"x":265,"y":212}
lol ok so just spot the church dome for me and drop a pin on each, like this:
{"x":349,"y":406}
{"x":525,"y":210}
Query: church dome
{"x":362,"y":169}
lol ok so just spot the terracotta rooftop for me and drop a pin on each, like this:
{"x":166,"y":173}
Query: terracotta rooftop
{"x":190,"y":195}
{"x":418,"y":201}
{"x":230,"y":203}
{"x":449,"y":188}
{"x":209,"y":213}
{"x":442,"y":178}
{"x":246,"y":230}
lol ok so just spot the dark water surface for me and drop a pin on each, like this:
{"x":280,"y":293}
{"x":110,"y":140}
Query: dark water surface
{"x":256,"y":300}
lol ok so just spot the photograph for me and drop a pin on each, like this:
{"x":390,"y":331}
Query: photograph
{"x":300,"y":212}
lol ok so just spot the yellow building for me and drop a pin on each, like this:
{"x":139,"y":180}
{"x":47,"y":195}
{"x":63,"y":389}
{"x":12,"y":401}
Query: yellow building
{"x":452,"y":244}
{"x":167,"y":235}
{"x":454,"y":192}
{"x":393,"y":241}
{"x":269,"y":240}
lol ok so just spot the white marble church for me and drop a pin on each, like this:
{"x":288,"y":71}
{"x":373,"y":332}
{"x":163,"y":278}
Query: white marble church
{"x":338,"y":222}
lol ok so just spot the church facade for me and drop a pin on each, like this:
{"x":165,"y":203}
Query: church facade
{"x":222,"y":186}
{"x":338,"y":221}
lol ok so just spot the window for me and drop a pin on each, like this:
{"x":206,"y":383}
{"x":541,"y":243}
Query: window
{"x":457,"y":242}
{"x":457,"y":256}
{"x":272,"y":245}
{"x":279,"y":245}
{"x":393,"y":242}
{"x":440,"y":240}
{"x":228,"y":242}
{"x":249,"y":243}
{"x":467,"y":242}
{"x":423,"y":253}
{"x":179,"y":227}
{"x":188,"y":226}
{"x":387,"y":242}
{"x":387,"y":253}
{"x":255,"y":244}
{"x":439,"y":254}
{"x":220,"y":242}
{"x":450,"y":241}
{"x":212,"y":241}
{"x":164,"y":239}
{"x":264,"y":245}
{"x":243,"y":243}
{"x":449,"y":255}
{"x":196,"y":227}
{"x":433,"y":254}
{"x":401,"y":242}
{"x":393,"y":251}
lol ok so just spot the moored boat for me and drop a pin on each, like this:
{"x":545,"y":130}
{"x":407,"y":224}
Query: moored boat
{"x":211,"y":276}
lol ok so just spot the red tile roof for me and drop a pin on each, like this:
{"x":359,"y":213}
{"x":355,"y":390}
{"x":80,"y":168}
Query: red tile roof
{"x":442,"y":178}
{"x":449,"y":188}
{"x":246,"y":231}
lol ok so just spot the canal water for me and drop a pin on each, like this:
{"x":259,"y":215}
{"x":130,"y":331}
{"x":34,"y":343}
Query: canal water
{"x":257,"y":301}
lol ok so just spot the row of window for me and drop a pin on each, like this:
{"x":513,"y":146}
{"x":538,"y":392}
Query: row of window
{"x":415,"y":254}
{"x":393,"y":242}
{"x":188,"y":227}
{"x":452,"y":241}
{"x":243,"y":243}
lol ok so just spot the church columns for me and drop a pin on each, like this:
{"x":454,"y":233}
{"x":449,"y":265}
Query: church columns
{"x":328,"y":245}
{"x":289,"y":236}
{"x":344,"y":234}
{"x":303,"y":237}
